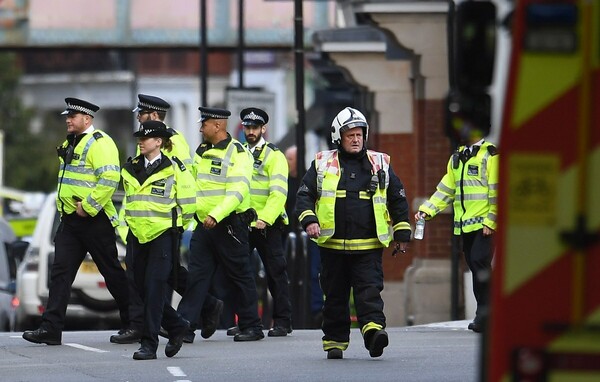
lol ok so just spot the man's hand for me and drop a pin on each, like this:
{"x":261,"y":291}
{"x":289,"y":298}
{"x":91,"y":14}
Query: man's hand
{"x":313,"y":230}
{"x":209,"y":222}
{"x":80,"y":211}
{"x":420,"y":215}
{"x":487,"y":231}
{"x":261,"y":224}
{"x":400,"y":247}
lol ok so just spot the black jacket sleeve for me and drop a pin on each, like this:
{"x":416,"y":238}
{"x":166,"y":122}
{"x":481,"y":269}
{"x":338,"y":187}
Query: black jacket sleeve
{"x":398,"y":208}
{"x":306,"y":198}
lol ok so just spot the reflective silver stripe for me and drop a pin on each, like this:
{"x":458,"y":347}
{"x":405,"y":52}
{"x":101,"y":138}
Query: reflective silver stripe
{"x":108,"y":182}
{"x":188,"y":162}
{"x":380,"y":199}
{"x":110,"y":167}
{"x":191,"y":200}
{"x":80,"y":183}
{"x":189,"y":216}
{"x":475,"y":197}
{"x":278,"y":189}
{"x":442,"y":187}
{"x":441,"y":196}
{"x":205,"y":193}
{"x":221,"y":179}
{"x":259,"y":177}
{"x":260,"y":192}
{"x":148,"y":214}
{"x":150,"y":199}
{"x":491,"y":217}
{"x":95,"y":205}
{"x":493,"y":186}
{"x":279,"y":177}
{"x":327,"y":193}
{"x":80,"y":169}
{"x":384,"y":237}
{"x":327,"y":232}
{"x":470,"y":183}
{"x":493,"y":200}
{"x":237,"y":195}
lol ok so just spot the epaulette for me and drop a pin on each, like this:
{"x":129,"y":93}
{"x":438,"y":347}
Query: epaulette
{"x":492,"y":150}
{"x":203,"y":148}
{"x":272,"y":146}
{"x":179,"y":163}
{"x":97,"y":135}
{"x":240,"y":148}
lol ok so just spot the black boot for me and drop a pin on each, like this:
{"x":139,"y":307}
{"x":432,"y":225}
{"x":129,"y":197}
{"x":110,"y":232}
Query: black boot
{"x":43,"y":336}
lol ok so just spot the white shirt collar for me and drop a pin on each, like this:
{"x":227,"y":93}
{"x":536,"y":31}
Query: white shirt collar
{"x":89,"y":130}
{"x":260,"y":143}
{"x":147,"y":162}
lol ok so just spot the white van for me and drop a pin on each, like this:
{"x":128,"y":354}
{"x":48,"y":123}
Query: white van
{"x":90,"y":299}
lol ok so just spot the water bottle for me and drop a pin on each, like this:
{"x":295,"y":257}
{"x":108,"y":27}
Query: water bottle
{"x":420,"y":229}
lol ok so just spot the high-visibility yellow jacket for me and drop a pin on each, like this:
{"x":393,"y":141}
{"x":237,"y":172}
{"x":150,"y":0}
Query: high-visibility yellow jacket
{"x":471,"y":185}
{"x":269,"y":185}
{"x":321,"y":188}
{"x":180,"y":150}
{"x":91,"y":176}
{"x":166,"y":199}
{"x":223,"y":174}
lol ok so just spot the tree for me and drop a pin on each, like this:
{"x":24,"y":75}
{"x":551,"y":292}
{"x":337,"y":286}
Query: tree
{"x":30,"y":162}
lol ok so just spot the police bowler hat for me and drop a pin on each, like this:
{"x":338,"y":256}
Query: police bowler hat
{"x":153,"y":129}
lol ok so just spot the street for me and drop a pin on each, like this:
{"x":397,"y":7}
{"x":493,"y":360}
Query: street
{"x":435,"y":352}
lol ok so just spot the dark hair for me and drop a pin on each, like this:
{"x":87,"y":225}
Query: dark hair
{"x":167,"y":144}
{"x":161,"y":114}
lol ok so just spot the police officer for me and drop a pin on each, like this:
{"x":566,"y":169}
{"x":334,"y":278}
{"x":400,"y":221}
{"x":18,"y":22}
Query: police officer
{"x":87,"y":178}
{"x":268,"y":194}
{"x":471,"y":185}
{"x":344,"y":203}
{"x":223,"y":169}
{"x":160,"y":199}
{"x":152,"y":108}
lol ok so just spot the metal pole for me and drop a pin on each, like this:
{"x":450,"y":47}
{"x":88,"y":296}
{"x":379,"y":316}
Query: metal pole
{"x":203,"y":55}
{"x":302,"y":257}
{"x":241,"y":45}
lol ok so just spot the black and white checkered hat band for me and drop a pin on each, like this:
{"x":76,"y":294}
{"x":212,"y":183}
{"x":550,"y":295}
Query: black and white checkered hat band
{"x":254,"y":117}
{"x":147,"y":106}
{"x":78,"y":108}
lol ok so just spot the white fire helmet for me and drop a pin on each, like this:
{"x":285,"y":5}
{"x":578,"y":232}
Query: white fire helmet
{"x":346,"y":120}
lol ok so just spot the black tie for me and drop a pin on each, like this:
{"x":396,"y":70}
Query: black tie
{"x":152,"y":166}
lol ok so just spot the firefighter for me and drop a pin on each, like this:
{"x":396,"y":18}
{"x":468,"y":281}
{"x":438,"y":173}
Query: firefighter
{"x":153,"y":108}
{"x":223,"y":170}
{"x":268,"y":194}
{"x":160,"y":199}
{"x":471,"y":186}
{"x":345,"y":203}
{"x":87,"y":178}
